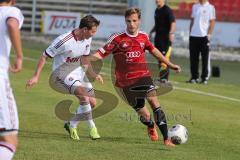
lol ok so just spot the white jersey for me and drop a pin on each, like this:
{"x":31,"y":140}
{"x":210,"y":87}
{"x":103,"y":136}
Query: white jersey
{"x":5,"y":43}
{"x":202,"y":14}
{"x":8,"y":109}
{"x":67,"y":73}
{"x":65,"y":49}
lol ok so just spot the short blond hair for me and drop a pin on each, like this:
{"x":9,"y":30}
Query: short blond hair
{"x":131,"y":11}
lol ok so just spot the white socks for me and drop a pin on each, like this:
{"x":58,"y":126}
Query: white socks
{"x":7,"y":151}
{"x":84,"y":113}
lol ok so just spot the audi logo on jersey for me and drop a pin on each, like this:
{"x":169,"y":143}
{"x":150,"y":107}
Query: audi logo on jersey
{"x":133,"y":54}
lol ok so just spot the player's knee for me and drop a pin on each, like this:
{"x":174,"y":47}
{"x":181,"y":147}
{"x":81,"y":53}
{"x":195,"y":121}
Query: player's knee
{"x":80,"y":91}
{"x":84,"y":100}
{"x":145,"y":116}
{"x":10,"y":139}
{"x":150,"y":100}
{"x":153,"y":101}
{"x":93,"y":102}
{"x":15,"y":143}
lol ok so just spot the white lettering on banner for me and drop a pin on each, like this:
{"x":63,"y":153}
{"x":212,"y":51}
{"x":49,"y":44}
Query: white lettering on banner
{"x":60,"y":22}
{"x":63,"y":22}
{"x":56,"y":23}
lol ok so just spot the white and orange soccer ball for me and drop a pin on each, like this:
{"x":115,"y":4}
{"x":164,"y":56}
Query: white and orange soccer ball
{"x":178,"y":134}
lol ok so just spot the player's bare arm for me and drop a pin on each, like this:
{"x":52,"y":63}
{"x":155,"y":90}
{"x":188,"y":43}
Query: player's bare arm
{"x":157,"y":54}
{"x":210,"y":29}
{"x":152,"y":31}
{"x":172,"y":30}
{"x":15,"y":37}
{"x":34,"y":79}
{"x":86,"y":63}
{"x":191,"y":25}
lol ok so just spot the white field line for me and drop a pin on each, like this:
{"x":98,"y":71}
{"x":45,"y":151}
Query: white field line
{"x":33,"y":59}
{"x":206,"y":93}
{"x":177,"y":88}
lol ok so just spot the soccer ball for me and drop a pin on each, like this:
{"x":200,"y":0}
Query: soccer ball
{"x":178,"y":134}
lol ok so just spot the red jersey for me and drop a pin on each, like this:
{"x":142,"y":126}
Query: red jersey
{"x":129,"y":55}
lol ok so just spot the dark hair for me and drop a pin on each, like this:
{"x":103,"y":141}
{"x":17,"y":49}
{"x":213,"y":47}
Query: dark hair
{"x":1,"y":1}
{"x":89,"y":21}
{"x":131,"y":11}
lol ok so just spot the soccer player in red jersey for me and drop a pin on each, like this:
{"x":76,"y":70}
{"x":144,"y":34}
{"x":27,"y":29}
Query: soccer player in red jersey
{"x":133,"y":77}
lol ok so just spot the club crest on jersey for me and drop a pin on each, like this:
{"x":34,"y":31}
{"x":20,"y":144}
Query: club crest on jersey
{"x":70,"y":79}
{"x":87,"y":46}
{"x":142,"y":45}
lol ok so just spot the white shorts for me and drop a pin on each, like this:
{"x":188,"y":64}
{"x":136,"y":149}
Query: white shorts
{"x":66,"y":80}
{"x":9,"y":123}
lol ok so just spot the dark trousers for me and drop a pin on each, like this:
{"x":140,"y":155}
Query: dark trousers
{"x":199,"y":45}
{"x":163,"y":44}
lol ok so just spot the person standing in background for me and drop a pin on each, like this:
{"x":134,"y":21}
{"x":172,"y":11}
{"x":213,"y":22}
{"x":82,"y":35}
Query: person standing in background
{"x":164,"y":27}
{"x":201,"y":28}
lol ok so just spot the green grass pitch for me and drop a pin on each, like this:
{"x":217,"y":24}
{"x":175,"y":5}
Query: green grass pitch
{"x":210,"y":113}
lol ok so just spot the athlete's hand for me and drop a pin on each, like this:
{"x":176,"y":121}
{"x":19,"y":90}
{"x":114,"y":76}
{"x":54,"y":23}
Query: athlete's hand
{"x":17,"y":67}
{"x":209,"y":36}
{"x":177,"y":68}
{"x":99,"y":78}
{"x":31,"y":82}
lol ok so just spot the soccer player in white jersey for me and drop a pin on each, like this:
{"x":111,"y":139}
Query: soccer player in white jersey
{"x":11,"y":20}
{"x":68,"y":76}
